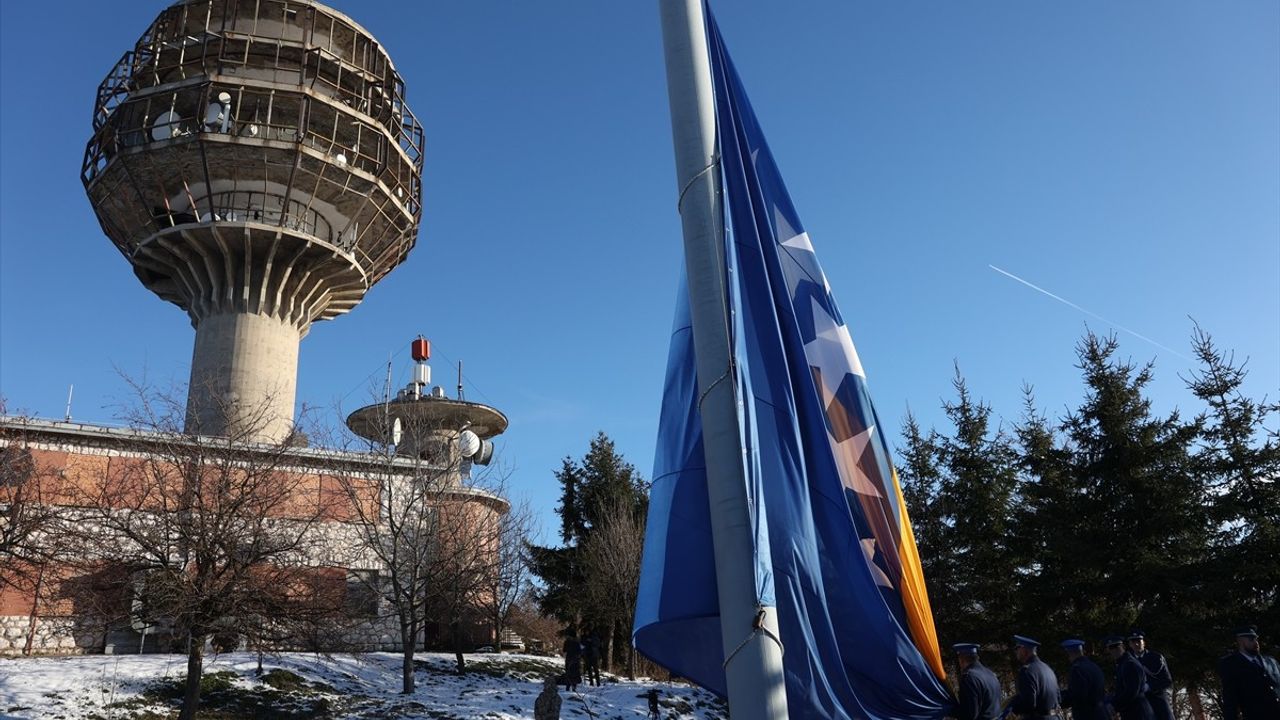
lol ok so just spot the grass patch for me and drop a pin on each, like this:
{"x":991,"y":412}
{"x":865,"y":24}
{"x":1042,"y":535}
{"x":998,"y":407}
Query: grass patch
{"x":175,"y":689}
{"x":528,"y":669}
{"x":283,"y":695}
{"x":286,"y":681}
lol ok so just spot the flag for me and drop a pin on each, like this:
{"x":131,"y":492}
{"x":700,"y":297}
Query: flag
{"x":834,"y":552}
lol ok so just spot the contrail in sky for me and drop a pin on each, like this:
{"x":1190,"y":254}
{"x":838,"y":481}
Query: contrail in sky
{"x":1091,"y":314}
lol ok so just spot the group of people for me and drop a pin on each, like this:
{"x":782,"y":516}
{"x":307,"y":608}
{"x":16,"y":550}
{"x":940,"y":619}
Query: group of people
{"x":1140,"y":688}
{"x":576,"y":653}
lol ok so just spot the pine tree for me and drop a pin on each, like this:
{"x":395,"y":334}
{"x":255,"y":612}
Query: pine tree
{"x":921,"y":483}
{"x":978,"y":479}
{"x":1239,"y":457}
{"x":570,"y":510}
{"x":959,"y":490}
{"x":1051,"y":531}
{"x":1143,"y":504}
{"x":592,"y":490}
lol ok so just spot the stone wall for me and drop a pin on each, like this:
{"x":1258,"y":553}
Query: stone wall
{"x":53,"y":636}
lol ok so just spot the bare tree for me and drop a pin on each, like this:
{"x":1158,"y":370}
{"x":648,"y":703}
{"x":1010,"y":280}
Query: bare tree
{"x":217,"y":534}
{"x":611,"y":559}
{"x":508,"y":576}
{"x":27,"y":514}
{"x":540,"y":631}
{"x":468,"y":540}
{"x":420,"y":523}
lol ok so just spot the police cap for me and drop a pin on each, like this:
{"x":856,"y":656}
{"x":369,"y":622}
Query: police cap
{"x":1026,"y":642}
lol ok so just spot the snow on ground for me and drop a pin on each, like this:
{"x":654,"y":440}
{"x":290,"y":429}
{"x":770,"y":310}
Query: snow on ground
{"x":301,"y":686}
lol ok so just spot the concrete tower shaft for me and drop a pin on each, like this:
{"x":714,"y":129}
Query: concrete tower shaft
{"x":257,"y":165}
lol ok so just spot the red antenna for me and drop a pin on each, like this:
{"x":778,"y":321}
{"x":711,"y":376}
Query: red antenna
{"x":421,"y":349}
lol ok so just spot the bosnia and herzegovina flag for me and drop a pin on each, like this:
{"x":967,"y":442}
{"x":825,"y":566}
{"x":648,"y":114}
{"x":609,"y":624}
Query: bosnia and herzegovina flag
{"x":835,"y":550}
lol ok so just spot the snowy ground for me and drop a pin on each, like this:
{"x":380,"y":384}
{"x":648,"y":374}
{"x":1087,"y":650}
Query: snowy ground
{"x":307,"y":687}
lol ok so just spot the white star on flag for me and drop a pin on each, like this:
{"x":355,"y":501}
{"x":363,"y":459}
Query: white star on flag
{"x":831,"y":352}
{"x":848,"y":453}
{"x":869,"y":550}
{"x":799,"y":251}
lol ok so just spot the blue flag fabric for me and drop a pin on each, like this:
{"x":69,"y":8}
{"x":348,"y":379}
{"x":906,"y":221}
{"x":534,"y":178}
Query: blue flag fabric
{"x":834,"y":549}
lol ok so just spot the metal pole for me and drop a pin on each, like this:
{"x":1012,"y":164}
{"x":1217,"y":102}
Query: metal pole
{"x":754,"y":670}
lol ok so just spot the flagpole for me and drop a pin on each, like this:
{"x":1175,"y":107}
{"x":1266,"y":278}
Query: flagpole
{"x":754,"y":668}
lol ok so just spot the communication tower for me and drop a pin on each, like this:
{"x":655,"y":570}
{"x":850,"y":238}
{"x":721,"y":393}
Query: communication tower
{"x":257,"y":165}
{"x":422,"y":422}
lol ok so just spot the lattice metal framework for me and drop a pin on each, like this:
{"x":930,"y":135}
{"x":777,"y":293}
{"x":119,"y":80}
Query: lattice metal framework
{"x":256,"y":156}
{"x":256,"y":163}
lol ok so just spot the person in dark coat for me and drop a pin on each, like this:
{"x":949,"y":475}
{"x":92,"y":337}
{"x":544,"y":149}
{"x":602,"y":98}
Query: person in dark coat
{"x":1159,"y":679}
{"x":1036,"y":696}
{"x":591,"y":656}
{"x":1129,"y":696}
{"x":1086,"y":688}
{"x":979,"y":687}
{"x":572,"y":662}
{"x":1250,"y":680}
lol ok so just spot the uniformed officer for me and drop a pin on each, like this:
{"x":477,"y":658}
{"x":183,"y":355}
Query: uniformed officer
{"x":1250,"y":680}
{"x":1036,"y":688}
{"x":1129,"y":697}
{"x":979,"y":687}
{"x":1086,"y":687}
{"x":1159,"y":679}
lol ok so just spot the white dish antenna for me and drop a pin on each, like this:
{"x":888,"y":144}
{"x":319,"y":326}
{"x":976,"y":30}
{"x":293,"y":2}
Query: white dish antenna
{"x":468,"y":443}
{"x":166,"y":126}
{"x":397,"y":432}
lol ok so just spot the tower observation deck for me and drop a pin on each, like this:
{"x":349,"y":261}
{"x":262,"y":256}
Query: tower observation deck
{"x":255,"y":162}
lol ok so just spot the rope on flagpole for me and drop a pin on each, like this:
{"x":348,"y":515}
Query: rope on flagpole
{"x":757,"y":628}
{"x":705,"y":393}
{"x":715,"y":160}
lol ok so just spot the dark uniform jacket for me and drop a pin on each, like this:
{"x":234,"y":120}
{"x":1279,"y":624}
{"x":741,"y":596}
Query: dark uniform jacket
{"x":1158,"y":677}
{"x":1130,"y":696}
{"x":1037,"y":690}
{"x":1159,"y":680}
{"x":1086,"y":691}
{"x":979,"y":694}
{"x":1250,"y":687}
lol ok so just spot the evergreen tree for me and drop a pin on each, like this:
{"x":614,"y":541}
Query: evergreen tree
{"x":959,"y":490}
{"x":921,"y":481}
{"x":978,"y":467}
{"x":1052,"y":528}
{"x":1239,"y":458}
{"x":592,"y":490}
{"x":560,"y":568}
{"x":1140,"y":501}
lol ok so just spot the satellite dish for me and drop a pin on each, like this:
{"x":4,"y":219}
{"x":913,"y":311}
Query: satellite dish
{"x":341,"y":159}
{"x":396,"y":432}
{"x":468,"y":443}
{"x":253,"y":131}
{"x":484,"y":455}
{"x":166,"y":126}
{"x":215,"y":118}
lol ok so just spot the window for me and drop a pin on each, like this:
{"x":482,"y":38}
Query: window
{"x":362,"y":593}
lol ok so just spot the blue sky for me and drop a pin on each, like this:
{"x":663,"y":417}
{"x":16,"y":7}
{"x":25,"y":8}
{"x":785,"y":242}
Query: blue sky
{"x":1125,"y":156}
